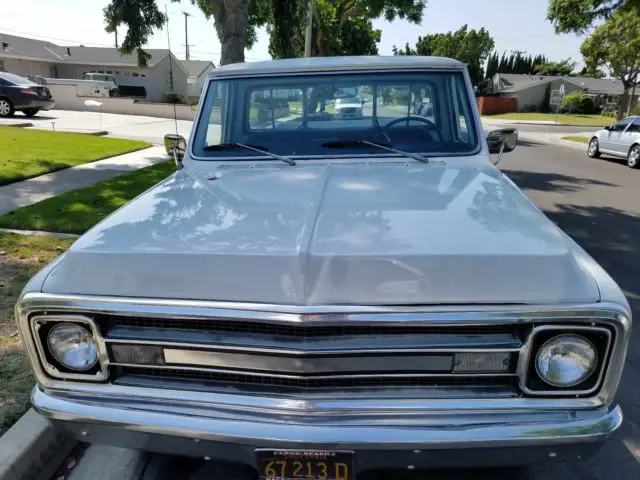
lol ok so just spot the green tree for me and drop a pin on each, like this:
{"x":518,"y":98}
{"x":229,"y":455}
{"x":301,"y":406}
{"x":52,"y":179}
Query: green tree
{"x":467,"y":45}
{"x":563,"y":68}
{"x":615,"y":45}
{"x":579,"y":15}
{"x":340,"y":27}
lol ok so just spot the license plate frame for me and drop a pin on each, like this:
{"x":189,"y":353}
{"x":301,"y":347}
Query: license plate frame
{"x":297,"y":464}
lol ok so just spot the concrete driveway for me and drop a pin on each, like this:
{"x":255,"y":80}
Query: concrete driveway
{"x":150,"y":129}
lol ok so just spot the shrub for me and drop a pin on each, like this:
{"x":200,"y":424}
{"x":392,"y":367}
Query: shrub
{"x":578,"y":102}
{"x":172,"y":98}
{"x":636,"y":111}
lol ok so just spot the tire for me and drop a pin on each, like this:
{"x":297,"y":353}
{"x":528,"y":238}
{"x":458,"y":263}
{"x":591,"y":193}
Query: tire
{"x":633,"y":157}
{"x":593,"y":151}
{"x":30,"y":112}
{"x":6,"y":108}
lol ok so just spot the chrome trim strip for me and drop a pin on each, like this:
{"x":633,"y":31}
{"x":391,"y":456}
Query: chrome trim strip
{"x":321,"y":404}
{"x":305,"y":353}
{"x":315,"y":365}
{"x":525,"y":358}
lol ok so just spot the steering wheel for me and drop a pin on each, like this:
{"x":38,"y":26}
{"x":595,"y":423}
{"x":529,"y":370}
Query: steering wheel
{"x":426,"y":121}
{"x":382,"y":130}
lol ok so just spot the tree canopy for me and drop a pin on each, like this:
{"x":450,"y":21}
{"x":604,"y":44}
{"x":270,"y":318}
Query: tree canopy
{"x":340,"y":27}
{"x":563,"y":68}
{"x":515,"y":63}
{"x":578,"y":15}
{"x":615,"y":45}
{"x":467,"y":45}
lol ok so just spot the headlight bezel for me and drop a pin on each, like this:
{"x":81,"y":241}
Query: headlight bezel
{"x":41,"y":325}
{"x":533,"y":385}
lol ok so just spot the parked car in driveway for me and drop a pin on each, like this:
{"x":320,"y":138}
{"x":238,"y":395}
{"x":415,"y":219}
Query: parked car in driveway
{"x":621,"y":140}
{"x":19,"y":93}
{"x":315,"y":297}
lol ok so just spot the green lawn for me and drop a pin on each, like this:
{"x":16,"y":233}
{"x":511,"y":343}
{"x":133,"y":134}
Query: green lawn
{"x":564,"y":119}
{"x":29,"y":153}
{"x":22,"y":257}
{"x":576,"y":138}
{"x":79,"y":210}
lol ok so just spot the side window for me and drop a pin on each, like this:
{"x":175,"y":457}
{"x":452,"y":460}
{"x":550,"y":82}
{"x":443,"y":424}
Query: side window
{"x":635,"y":126}
{"x":214,"y":125}
{"x":461,"y":119}
{"x":620,"y":126}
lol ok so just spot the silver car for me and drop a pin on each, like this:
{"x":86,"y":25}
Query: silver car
{"x":620,"y":140}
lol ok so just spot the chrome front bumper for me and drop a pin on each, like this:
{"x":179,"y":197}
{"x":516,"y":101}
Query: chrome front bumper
{"x":423,"y":441}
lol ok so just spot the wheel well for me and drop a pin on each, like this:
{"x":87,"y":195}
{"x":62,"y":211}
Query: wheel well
{"x":635,"y":144}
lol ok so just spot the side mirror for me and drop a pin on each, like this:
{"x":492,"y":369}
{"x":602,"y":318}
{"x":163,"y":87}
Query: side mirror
{"x":503,"y":140}
{"x":175,"y":145}
{"x":607,"y":127}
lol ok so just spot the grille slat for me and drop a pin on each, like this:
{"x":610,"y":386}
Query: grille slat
{"x":317,"y":383}
{"x":304,"y":331}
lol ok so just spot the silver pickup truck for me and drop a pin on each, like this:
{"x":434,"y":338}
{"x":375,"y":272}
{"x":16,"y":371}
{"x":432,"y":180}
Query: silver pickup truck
{"x":313,"y":296}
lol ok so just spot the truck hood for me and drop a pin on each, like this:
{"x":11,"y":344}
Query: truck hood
{"x":366,"y":233}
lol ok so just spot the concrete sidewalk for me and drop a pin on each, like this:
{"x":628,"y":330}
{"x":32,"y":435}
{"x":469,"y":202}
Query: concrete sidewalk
{"x":20,"y":194}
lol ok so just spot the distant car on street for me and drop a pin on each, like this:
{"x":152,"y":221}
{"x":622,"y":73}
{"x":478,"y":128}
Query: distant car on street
{"x":348,"y":107}
{"x":621,"y":140}
{"x":19,"y":93}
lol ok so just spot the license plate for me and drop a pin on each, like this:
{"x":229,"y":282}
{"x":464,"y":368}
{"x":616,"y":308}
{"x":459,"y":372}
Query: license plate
{"x":305,"y":464}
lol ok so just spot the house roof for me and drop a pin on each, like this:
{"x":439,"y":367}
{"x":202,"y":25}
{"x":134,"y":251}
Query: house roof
{"x":195,"y":68}
{"x":109,"y":56}
{"x":29,"y":48}
{"x":521,"y":82}
{"x":21,"y":47}
{"x":315,"y":64}
{"x":597,"y":85}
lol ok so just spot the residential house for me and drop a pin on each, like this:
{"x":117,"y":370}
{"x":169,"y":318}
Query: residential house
{"x":531,"y":90}
{"x":30,"y":57}
{"x":197,"y":73}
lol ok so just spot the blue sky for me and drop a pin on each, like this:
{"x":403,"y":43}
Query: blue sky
{"x":514,"y":25}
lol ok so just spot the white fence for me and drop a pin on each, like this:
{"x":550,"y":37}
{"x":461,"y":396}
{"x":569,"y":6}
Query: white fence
{"x":65,"y":94}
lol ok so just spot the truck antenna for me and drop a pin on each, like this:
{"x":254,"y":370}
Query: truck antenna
{"x":173,"y":92}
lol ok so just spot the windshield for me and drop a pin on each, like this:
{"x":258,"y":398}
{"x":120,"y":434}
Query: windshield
{"x":305,"y":115}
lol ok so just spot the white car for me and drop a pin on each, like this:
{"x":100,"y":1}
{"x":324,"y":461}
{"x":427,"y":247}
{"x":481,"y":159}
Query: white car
{"x":316,"y":298}
{"x":348,"y":107}
{"x":621,"y":140}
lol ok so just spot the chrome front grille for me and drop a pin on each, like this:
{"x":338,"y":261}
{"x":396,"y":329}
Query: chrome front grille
{"x":299,"y":357}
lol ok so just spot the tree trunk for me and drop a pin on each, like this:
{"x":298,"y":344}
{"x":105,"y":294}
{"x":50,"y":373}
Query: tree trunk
{"x":622,"y":105}
{"x":231,"y":19}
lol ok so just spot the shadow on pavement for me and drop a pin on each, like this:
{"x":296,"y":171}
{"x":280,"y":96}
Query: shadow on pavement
{"x":551,"y":182}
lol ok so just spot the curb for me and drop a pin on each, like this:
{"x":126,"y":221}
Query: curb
{"x":32,"y":449}
{"x":19,"y":125}
{"x":39,"y":233}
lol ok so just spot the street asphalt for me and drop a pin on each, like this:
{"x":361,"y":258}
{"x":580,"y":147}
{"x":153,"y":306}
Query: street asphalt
{"x":597,"y":202}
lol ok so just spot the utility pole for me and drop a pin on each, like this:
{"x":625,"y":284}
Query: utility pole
{"x":309,"y":30}
{"x":186,"y":34}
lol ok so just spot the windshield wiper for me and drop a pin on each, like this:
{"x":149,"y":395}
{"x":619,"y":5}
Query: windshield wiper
{"x":385,"y":146}
{"x":255,"y":148}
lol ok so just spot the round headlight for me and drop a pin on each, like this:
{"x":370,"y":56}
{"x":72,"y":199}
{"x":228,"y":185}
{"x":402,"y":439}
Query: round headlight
{"x":73,"y":346}
{"x":566,"y":360}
